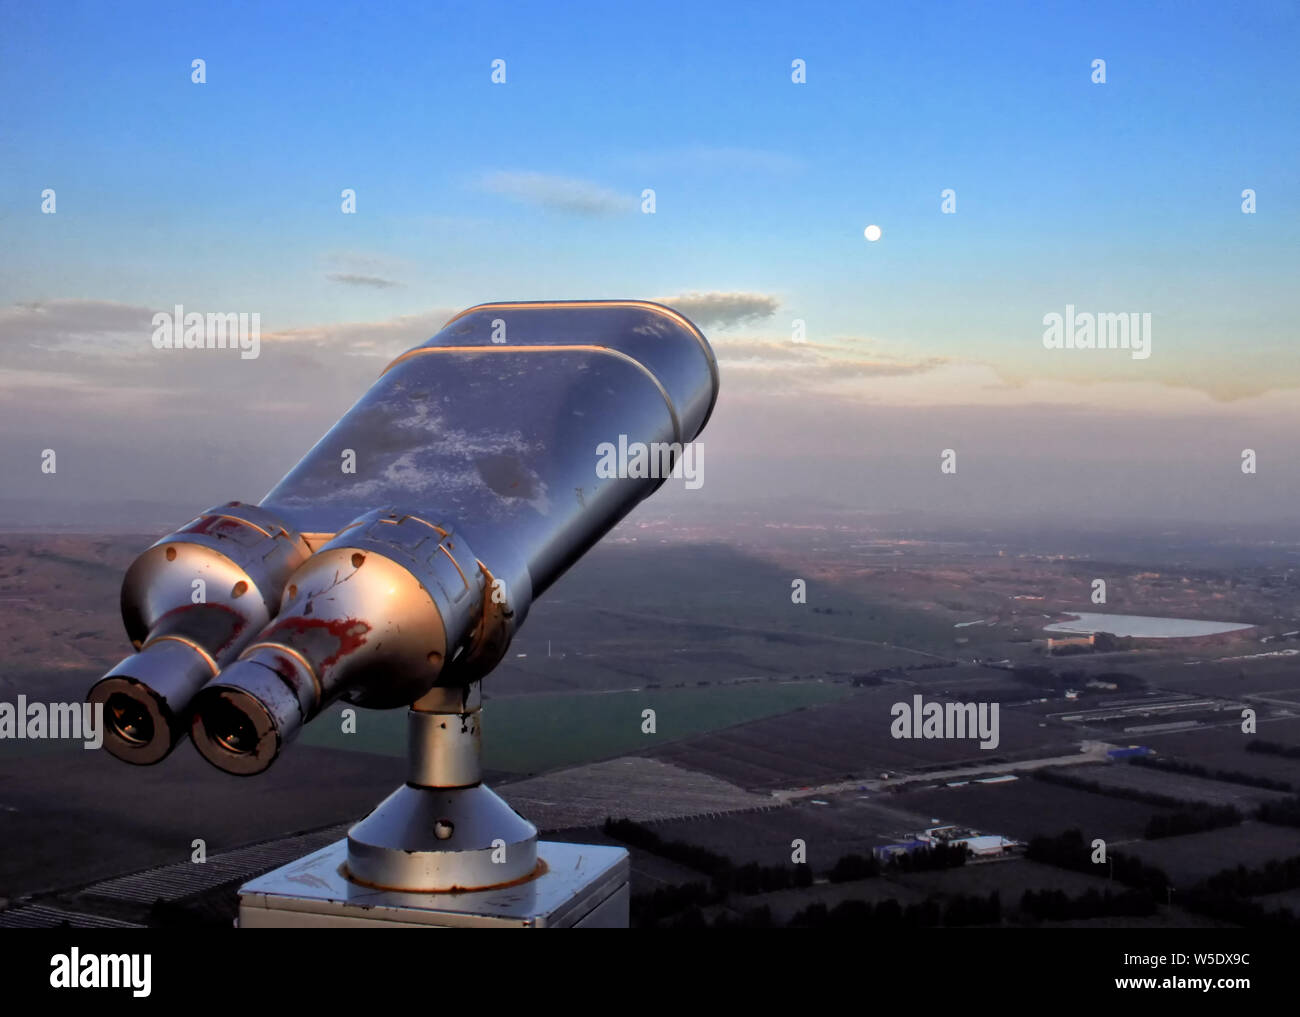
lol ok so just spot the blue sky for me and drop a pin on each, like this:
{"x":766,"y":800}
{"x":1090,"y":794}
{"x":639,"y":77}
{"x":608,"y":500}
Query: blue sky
{"x":1123,"y":196}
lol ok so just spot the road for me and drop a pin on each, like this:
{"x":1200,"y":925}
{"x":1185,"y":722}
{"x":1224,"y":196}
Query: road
{"x":1090,"y":752}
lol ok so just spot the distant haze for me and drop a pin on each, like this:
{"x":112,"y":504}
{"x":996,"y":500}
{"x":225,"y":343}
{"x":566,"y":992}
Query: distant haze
{"x":1008,"y":184}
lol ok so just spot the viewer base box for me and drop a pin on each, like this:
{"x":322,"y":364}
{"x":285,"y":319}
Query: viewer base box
{"x":584,"y":886}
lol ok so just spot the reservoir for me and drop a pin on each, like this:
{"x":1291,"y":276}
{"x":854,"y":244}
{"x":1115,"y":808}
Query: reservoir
{"x":1142,"y":627}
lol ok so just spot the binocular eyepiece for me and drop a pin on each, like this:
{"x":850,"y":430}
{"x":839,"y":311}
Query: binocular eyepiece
{"x":191,"y":603}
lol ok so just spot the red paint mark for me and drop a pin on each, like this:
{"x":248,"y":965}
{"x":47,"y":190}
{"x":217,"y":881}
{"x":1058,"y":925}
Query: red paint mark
{"x":343,"y":635}
{"x":213,"y":626}
{"x":291,"y":673}
{"x":219,"y":526}
{"x":285,"y":667}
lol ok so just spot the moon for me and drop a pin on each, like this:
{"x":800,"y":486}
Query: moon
{"x":872,"y":233}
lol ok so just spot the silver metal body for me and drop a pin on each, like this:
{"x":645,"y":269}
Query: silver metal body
{"x":453,"y":494}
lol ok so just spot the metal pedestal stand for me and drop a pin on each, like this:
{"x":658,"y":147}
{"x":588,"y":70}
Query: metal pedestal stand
{"x":443,"y":850}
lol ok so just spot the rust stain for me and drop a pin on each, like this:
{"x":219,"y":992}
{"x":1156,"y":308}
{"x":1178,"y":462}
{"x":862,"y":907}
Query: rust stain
{"x":215,"y":526}
{"x":290,"y":672}
{"x":507,"y":475}
{"x":539,"y":870}
{"x":325,"y":639}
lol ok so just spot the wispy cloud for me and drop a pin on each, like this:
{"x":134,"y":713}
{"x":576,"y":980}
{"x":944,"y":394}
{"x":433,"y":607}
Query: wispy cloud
{"x":716,"y":309}
{"x":120,"y":403}
{"x":382,"y":339}
{"x":351,"y":279}
{"x":792,"y":367}
{"x":30,"y":332}
{"x":102,"y":349}
{"x":561,"y":194}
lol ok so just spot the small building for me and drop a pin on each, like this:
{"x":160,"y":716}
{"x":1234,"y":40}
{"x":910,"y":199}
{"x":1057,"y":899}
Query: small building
{"x":1055,"y":644}
{"x":978,"y":845}
{"x":885,"y":852}
{"x":987,"y":845}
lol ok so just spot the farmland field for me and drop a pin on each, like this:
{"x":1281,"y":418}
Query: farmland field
{"x":531,"y":734}
{"x":1026,"y":808}
{"x":1150,"y":780}
{"x":785,"y":904}
{"x":649,"y":871}
{"x":1225,"y":748}
{"x":752,"y":693}
{"x":846,"y":826}
{"x":1194,"y":856}
{"x":628,"y":787}
{"x":852,"y":738}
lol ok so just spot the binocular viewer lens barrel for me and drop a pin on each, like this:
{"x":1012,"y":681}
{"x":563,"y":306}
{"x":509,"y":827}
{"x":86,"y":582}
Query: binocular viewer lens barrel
{"x":377,"y":614}
{"x":191,"y":602}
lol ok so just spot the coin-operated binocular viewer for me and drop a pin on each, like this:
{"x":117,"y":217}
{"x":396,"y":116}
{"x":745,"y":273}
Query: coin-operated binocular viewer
{"x":392,"y":567}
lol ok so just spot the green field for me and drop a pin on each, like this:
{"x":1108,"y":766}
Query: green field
{"x":529,"y":734}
